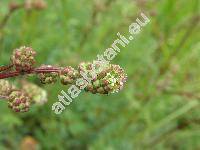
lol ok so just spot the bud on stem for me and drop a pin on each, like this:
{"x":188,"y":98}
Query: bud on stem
{"x":18,"y":101}
{"x":23,"y":59}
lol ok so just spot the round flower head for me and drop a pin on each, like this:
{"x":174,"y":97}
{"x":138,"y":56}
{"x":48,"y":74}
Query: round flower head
{"x":114,"y":79}
{"x":68,"y":75}
{"x":47,"y":77}
{"x":88,"y":68}
{"x":109,"y":78}
{"x":5,"y":88}
{"x":23,"y":59}
{"x":18,"y":101}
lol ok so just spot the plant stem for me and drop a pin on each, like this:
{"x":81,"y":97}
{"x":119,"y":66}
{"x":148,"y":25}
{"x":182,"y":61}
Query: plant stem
{"x":9,"y":74}
{"x":3,"y":97}
{"x":7,"y":67}
{"x":33,"y":71}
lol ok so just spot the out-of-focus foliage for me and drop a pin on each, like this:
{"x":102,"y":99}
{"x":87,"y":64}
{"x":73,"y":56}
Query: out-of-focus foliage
{"x":159,"y":106}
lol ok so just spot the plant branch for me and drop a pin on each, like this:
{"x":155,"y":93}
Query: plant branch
{"x":9,"y":74}
{"x":33,"y":71}
{"x":7,"y":67}
{"x":3,"y":97}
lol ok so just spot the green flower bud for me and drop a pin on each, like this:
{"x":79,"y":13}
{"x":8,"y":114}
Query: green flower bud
{"x":115,"y":79}
{"x":85,"y":66}
{"x":68,"y":75}
{"x":23,"y":59}
{"x":18,"y":101}
{"x":49,"y":77}
{"x":110,"y":78}
{"x":101,"y":90}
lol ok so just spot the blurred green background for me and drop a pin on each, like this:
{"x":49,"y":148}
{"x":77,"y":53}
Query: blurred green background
{"x":159,"y":107}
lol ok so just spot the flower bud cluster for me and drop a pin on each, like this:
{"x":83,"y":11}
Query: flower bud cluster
{"x":114,"y":79}
{"x":97,"y":78}
{"x":18,"y":101}
{"x":23,"y":59}
{"x":109,"y":78}
{"x":48,"y":77}
{"x":68,"y":75}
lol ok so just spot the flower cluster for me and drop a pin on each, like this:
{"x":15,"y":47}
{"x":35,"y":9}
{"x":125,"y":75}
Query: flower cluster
{"x":68,"y":75}
{"x":104,"y":78}
{"x":109,"y":78}
{"x":20,"y":100}
{"x":23,"y":59}
{"x":47,"y":77}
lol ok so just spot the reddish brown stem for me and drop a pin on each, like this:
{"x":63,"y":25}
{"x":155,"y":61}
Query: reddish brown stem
{"x":9,"y":74}
{"x":46,"y":71}
{"x":4,"y":68}
{"x":34,"y":71}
